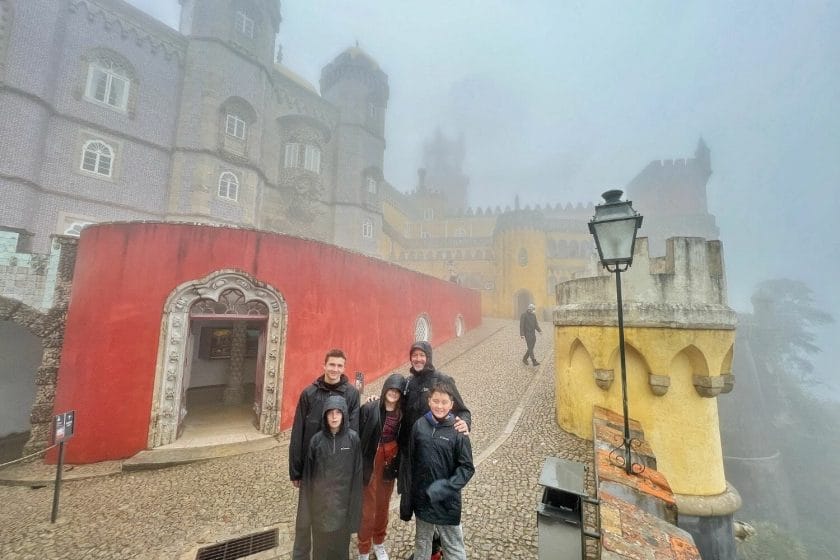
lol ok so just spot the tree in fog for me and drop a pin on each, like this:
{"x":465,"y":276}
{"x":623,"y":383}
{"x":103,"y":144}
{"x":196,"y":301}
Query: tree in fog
{"x":781,"y":333}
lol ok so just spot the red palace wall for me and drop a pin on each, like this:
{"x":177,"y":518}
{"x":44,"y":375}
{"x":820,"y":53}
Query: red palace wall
{"x":124,"y":273}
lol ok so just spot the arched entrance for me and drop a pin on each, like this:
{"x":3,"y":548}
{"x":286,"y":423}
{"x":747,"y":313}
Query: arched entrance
{"x":220,"y":313}
{"x":523,"y":298}
{"x":21,"y":354}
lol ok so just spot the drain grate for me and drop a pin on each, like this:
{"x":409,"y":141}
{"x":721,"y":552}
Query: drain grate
{"x":239,"y":547}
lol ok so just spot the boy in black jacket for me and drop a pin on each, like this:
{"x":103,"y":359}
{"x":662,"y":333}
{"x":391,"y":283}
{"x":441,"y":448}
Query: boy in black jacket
{"x":441,"y":465}
{"x":331,"y":485}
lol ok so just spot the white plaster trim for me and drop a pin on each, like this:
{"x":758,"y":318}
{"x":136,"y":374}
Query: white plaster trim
{"x":169,"y":372}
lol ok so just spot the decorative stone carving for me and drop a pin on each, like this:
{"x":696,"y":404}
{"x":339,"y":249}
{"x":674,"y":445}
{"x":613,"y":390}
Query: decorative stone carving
{"x":604,"y":378}
{"x":659,"y":384}
{"x":708,"y":385}
{"x":214,"y":294}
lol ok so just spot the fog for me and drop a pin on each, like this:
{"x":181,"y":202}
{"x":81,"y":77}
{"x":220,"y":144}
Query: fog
{"x":559,"y":101}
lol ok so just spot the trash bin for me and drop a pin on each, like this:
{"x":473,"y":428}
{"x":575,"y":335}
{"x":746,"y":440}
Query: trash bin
{"x":560,"y":512}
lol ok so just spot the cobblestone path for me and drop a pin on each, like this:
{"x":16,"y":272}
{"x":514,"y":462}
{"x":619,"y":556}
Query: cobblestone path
{"x":169,"y":513}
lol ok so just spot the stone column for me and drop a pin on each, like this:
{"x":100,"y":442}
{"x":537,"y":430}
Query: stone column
{"x":233,"y":392}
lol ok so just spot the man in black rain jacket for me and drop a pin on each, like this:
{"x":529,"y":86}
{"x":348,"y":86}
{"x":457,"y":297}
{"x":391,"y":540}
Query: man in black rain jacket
{"x":416,"y":404}
{"x":308,"y":418}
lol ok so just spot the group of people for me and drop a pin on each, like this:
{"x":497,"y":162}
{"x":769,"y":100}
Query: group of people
{"x":345,"y":457}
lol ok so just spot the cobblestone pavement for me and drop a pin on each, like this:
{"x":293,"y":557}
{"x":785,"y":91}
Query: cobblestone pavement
{"x":169,"y":513}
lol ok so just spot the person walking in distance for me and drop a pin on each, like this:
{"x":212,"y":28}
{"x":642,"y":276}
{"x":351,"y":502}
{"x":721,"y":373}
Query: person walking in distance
{"x":528,"y":329}
{"x":309,"y":416}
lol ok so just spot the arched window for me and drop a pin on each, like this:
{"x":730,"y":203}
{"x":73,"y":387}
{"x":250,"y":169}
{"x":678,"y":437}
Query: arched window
{"x":522,"y":258}
{"x":312,"y":158}
{"x":75,"y":229}
{"x":228,"y":186}
{"x":371,"y":185}
{"x":108,"y":83}
{"x":292,"y":156}
{"x":244,"y":24}
{"x":97,"y":157}
{"x":367,"y":228}
{"x":235,"y":126}
{"x":422,"y":329}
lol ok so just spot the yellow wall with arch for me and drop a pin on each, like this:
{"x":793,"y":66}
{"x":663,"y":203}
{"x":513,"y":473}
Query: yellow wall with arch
{"x":681,"y":425}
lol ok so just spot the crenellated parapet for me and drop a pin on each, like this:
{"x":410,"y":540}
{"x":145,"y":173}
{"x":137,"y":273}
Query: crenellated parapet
{"x":679,"y":334}
{"x":686,"y":288}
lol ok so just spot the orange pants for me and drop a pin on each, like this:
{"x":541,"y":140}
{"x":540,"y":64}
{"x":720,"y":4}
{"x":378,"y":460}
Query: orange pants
{"x":377,"y":497}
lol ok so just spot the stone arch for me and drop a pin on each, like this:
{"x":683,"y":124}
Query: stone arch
{"x":169,"y":372}
{"x":521,"y":299}
{"x":699,"y":364}
{"x":48,"y":327}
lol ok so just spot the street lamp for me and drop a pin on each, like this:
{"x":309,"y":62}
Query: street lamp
{"x":614,"y":227}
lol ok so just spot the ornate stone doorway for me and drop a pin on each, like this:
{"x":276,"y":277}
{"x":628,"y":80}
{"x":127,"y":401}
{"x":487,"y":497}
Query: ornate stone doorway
{"x":231,"y":298}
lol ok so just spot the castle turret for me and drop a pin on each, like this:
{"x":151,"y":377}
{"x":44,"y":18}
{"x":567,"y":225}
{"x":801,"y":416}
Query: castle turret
{"x":248,"y":27}
{"x":355,"y":84}
{"x":519,"y":242}
{"x":671,"y":194}
{"x":443,"y":158}
{"x":679,"y":336}
{"x":223,"y":110}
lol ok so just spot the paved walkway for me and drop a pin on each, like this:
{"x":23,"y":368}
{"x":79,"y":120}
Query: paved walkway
{"x":170,"y":513}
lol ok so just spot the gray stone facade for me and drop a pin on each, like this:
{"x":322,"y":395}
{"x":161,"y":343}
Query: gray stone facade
{"x":195,"y":123}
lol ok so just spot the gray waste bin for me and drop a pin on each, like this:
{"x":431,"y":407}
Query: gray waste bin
{"x":560,"y":512}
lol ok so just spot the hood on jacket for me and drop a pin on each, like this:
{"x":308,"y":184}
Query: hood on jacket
{"x":427,"y":349}
{"x":394,"y":381}
{"x":335,"y":402}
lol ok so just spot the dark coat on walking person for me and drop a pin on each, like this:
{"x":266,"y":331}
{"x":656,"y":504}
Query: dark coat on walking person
{"x":371,"y":422}
{"x":441,"y":465}
{"x":331,"y":483}
{"x":528,"y":325}
{"x":309,"y":416}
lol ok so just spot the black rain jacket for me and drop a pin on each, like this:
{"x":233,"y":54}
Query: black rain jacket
{"x":416,"y":404}
{"x":371,"y":421}
{"x":528,"y":325}
{"x":309,"y":414}
{"x":441,"y":465}
{"x":331,"y":486}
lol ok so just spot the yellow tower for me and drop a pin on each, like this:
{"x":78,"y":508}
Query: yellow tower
{"x":519,"y":245}
{"x":679,"y":335}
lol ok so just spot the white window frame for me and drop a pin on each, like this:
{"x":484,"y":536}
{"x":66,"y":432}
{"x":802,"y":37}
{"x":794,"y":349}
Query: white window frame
{"x":228,"y":181}
{"x":460,"y":232}
{"x":96,"y":155}
{"x":244,"y":24}
{"x":425,"y":235}
{"x":112,"y":74}
{"x":367,"y":228}
{"x":312,"y":158}
{"x":235,"y":126}
{"x":429,"y":214}
{"x":292,"y":156}
{"x":372,"y":185}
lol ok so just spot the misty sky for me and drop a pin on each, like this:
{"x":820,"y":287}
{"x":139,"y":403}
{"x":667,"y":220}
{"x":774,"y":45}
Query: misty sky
{"x":559,"y":101}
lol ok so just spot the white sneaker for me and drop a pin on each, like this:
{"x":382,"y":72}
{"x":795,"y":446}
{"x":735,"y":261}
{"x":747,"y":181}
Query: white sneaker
{"x":379,"y":550}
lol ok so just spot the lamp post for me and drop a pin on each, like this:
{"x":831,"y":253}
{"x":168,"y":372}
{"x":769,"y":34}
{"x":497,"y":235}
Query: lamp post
{"x":614,"y":228}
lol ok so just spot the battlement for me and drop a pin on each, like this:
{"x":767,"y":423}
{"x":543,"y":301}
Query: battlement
{"x":686,"y":288}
